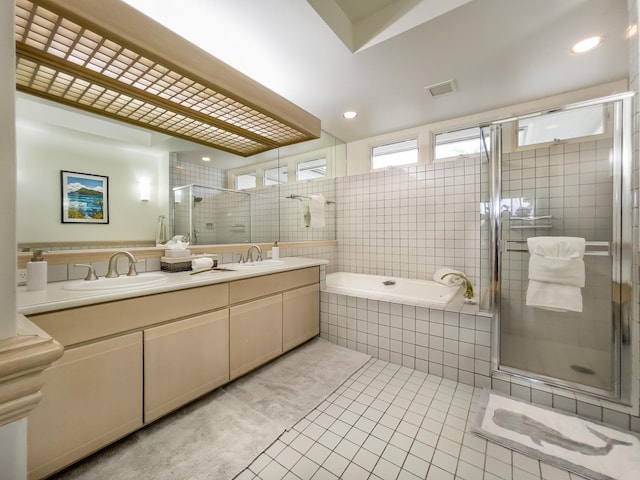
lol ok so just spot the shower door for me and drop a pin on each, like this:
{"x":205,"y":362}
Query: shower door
{"x":574,"y":188}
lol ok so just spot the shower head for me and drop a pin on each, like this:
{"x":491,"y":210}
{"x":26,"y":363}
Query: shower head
{"x":196,"y":199}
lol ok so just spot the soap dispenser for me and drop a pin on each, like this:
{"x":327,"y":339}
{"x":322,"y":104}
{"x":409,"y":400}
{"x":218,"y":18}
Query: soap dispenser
{"x":37,"y":272}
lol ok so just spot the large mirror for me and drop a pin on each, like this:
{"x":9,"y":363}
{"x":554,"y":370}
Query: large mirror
{"x":211,"y":196}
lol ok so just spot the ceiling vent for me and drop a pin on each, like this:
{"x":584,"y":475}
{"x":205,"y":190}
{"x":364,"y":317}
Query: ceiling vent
{"x":441,"y":88}
{"x":108,"y":58}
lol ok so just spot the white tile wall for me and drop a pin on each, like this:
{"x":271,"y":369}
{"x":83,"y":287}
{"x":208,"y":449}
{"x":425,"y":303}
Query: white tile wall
{"x":409,"y":221}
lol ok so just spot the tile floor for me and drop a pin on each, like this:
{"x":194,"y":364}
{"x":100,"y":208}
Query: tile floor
{"x":388,"y":422}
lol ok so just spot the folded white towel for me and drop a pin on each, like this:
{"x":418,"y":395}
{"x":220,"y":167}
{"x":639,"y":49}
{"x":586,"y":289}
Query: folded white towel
{"x":201,"y":263}
{"x":316,"y":210}
{"x":553,"y":296}
{"x":556,"y":273}
{"x":449,"y":280}
{"x":563,"y":271}
{"x":557,"y":247}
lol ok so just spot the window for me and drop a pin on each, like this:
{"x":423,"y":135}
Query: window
{"x":398,"y":153}
{"x":246,"y":180}
{"x":459,"y":143}
{"x":311,"y":169}
{"x":273,"y":176}
{"x":553,"y":127}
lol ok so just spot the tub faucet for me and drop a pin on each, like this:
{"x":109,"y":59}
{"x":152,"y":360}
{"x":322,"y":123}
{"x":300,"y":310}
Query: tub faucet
{"x":469,"y":288}
{"x":250,"y":253}
{"x":112,"y":271}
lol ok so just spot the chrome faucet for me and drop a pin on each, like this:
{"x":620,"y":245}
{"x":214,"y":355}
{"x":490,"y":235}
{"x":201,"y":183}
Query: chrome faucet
{"x":469,"y":288}
{"x":250,"y":253}
{"x":112,"y":271}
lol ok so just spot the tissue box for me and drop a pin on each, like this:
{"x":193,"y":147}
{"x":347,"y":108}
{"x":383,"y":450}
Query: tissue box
{"x":183,"y":264}
{"x":177,"y":253}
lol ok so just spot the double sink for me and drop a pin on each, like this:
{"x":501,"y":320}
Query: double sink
{"x":150,"y":279}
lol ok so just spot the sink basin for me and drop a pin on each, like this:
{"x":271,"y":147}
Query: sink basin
{"x":253,"y":265}
{"x":122,"y":282}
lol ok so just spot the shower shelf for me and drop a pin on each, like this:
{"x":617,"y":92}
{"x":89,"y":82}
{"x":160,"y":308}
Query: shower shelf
{"x":532,"y":219}
{"x":522,"y":227}
{"x":532,"y":224}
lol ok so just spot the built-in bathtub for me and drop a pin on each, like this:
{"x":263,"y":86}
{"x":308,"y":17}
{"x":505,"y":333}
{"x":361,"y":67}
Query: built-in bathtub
{"x":390,"y":289}
{"x":418,"y":324}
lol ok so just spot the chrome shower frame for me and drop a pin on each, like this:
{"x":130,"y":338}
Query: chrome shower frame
{"x":626,"y":355}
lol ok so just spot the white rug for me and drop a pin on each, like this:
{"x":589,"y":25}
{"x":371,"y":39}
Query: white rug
{"x":219,"y":435}
{"x":587,"y":448}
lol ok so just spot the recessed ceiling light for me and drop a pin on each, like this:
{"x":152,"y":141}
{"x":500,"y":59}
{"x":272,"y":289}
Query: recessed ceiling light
{"x":587,"y":44}
{"x":206,"y":159}
{"x":349,"y":115}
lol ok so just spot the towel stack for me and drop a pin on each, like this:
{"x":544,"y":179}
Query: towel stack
{"x":556,"y":273}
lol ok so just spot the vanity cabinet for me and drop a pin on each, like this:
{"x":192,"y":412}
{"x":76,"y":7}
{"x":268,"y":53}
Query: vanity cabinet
{"x":286,"y":314}
{"x":300,"y":315}
{"x":255,"y":334}
{"x":91,"y":397}
{"x":129,"y":362}
{"x":183,"y":360}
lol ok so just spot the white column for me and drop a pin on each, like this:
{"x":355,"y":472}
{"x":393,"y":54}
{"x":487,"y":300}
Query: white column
{"x":13,"y":437}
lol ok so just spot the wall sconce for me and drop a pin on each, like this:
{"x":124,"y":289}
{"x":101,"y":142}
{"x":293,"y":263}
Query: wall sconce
{"x":145,"y":191}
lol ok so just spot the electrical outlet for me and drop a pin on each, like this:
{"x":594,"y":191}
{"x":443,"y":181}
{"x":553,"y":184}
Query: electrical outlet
{"x":21,"y":276}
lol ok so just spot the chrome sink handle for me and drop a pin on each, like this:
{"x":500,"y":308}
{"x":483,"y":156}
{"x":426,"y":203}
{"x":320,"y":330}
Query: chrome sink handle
{"x":91,"y":273}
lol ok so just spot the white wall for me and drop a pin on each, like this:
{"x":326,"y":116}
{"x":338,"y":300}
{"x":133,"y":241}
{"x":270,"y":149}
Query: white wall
{"x":359,"y":152}
{"x":43,"y":151}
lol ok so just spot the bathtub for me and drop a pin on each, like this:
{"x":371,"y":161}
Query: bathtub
{"x":390,"y":289}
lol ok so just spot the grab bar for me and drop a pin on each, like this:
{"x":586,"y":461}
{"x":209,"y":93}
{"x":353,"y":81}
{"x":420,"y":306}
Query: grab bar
{"x":605,"y":246}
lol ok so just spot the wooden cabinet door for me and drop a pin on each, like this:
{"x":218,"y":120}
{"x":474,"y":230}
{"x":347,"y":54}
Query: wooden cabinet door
{"x":255,"y":334}
{"x":91,"y":397}
{"x":183,"y":360}
{"x":300,"y":316}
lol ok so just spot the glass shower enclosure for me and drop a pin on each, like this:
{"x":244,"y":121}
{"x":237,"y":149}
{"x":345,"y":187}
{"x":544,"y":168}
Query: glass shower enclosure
{"x":545,"y":178}
{"x":209,"y":215}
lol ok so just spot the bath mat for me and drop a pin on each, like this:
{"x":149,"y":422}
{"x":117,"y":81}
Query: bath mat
{"x":219,"y":435}
{"x":570,"y":442}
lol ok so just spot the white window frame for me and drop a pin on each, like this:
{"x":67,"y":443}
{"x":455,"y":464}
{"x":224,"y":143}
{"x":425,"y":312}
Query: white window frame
{"x":434,"y":145}
{"x":390,"y":142}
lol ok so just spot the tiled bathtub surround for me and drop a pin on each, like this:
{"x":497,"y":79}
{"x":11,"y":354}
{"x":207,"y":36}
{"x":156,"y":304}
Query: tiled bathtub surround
{"x":409,"y":221}
{"x":451,"y":344}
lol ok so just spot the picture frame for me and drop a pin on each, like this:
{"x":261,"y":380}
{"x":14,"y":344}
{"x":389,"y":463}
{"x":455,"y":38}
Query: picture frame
{"x":85,"y":197}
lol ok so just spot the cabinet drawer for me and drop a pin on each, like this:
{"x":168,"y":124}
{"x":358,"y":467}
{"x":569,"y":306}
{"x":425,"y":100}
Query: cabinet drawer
{"x":243,"y":290}
{"x":184,"y":360}
{"x":91,"y":397}
{"x":81,"y":324}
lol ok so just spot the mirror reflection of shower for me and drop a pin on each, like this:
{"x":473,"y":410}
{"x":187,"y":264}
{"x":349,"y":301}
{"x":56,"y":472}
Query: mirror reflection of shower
{"x":209,"y":215}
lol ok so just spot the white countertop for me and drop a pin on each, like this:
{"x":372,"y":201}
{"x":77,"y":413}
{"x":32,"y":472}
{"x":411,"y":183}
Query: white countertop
{"x":55,"y":297}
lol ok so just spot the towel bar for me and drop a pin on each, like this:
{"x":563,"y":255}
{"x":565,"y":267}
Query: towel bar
{"x":605,"y":246}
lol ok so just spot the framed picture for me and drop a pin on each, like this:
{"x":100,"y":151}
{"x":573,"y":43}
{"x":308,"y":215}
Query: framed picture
{"x":85,"y":197}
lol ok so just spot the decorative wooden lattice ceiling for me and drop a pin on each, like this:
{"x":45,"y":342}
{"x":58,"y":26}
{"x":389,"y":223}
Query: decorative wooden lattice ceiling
{"x":73,"y":60}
